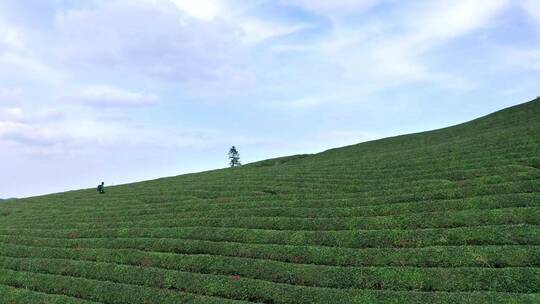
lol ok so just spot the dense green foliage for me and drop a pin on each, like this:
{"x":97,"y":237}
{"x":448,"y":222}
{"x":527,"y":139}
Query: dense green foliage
{"x":446,"y":216}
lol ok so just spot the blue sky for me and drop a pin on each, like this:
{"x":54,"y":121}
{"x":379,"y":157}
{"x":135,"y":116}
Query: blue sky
{"x":129,"y":90}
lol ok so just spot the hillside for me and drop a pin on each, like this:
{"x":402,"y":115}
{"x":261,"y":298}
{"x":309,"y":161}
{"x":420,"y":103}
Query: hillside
{"x":445,"y":216}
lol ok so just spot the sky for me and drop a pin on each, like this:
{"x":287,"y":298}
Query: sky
{"x":128,"y":90}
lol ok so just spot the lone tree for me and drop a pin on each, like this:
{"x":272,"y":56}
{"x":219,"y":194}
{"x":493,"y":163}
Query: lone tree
{"x":234,"y":157}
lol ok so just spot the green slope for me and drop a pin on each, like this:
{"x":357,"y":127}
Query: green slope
{"x":445,"y":216}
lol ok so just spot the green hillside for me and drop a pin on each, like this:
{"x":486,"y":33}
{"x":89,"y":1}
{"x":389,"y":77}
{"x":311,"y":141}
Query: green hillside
{"x":446,"y":216}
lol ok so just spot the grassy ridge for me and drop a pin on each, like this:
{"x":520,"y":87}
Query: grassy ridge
{"x":446,"y":216}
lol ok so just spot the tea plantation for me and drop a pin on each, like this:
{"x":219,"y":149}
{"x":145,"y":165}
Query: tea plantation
{"x":446,"y":216}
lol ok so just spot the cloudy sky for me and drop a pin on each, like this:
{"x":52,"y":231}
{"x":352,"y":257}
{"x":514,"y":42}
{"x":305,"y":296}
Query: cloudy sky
{"x":128,"y":90}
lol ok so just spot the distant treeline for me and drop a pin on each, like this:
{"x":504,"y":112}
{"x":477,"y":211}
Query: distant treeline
{"x":7,"y":199}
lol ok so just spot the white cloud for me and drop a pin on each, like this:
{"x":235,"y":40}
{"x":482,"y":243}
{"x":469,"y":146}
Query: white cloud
{"x":32,"y":129}
{"x":389,"y":54}
{"x":25,"y":134}
{"x":256,"y":31}
{"x":532,"y":7}
{"x":334,"y":6}
{"x":109,"y":96}
{"x":31,"y":66}
{"x":169,"y":45}
{"x":16,"y":114}
{"x":11,"y":113}
{"x":203,"y":9}
{"x":9,"y":37}
{"x":291,"y":48}
{"x":18,"y":57}
{"x":9,"y":95}
{"x":301,"y":103}
{"x":49,"y":131}
{"x":449,"y":19}
{"x":111,"y":134}
{"x":525,"y":59}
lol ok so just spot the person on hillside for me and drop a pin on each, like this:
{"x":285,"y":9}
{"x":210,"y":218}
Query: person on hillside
{"x":101,"y":188}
